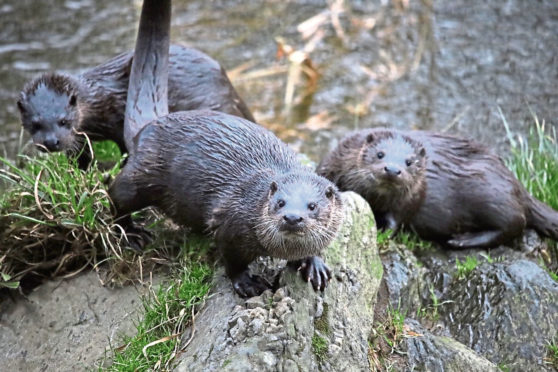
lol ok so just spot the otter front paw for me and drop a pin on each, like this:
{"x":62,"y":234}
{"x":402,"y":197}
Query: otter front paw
{"x":313,"y":270}
{"x":247,"y":285}
{"x":137,"y":237}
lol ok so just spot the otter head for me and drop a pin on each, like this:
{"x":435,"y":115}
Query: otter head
{"x":49,"y":111}
{"x":391,"y":162}
{"x":300,"y":216}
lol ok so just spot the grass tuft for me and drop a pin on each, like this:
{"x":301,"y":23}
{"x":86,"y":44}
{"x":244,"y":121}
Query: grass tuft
{"x":54,"y":217}
{"x":107,"y":151}
{"x":319,"y":347}
{"x":168,"y":311}
{"x":464,"y":268}
{"x":56,"y":220}
{"x":413,"y":242}
{"x":383,"y":237}
{"x":552,"y":353}
{"x":534,"y":160}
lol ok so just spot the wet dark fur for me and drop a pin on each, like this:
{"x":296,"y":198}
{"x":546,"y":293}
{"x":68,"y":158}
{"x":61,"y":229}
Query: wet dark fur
{"x":471,"y":199}
{"x":393,"y":189}
{"x":196,"y":81}
{"x":216,"y":172}
{"x":220,"y":173}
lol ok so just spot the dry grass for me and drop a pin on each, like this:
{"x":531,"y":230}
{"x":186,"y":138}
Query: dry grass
{"x":56,"y":220}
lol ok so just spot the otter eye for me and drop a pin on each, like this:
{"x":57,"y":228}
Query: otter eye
{"x":281,"y":203}
{"x":312,"y":206}
{"x":63,"y":122}
{"x":381,"y":154}
{"x":408,"y":162}
{"x":329,"y":193}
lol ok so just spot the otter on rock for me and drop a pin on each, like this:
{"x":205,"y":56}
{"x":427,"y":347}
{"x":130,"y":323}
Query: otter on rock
{"x":445,"y":188}
{"x":220,"y":173}
{"x":56,"y":108}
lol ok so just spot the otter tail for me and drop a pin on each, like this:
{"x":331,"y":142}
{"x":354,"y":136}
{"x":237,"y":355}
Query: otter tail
{"x":542,"y":218}
{"x":148,"y":87}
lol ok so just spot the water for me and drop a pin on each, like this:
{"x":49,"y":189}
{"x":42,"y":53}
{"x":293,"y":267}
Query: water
{"x":430,"y":64}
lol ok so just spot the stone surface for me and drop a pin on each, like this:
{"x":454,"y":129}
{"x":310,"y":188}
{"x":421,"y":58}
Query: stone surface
{"x":428,"y":352}
{"x":295,"y":328}
{"x":65,"y":325}
{"x":505,"y":309}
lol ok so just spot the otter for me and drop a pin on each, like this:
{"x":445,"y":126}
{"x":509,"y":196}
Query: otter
{"x":447,"y":189}
{"x":56,"y":109}
{"x":220,"y":173}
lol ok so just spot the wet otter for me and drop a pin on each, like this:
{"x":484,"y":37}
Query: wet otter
{"x":446,"y":188}
{"x":371,"y":165}
{"x":217,"y":172}
{"x":55,"y":107}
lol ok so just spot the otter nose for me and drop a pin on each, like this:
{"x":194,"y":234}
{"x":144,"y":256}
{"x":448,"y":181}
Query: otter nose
{"x":392,"y":171}
{"x":52,"y":144}
{"x":292,"y":219}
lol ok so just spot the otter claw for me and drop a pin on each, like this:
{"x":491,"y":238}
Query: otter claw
{"x":313,"y":270}
{"x":249,"y":286}
{"x":138,"y":238}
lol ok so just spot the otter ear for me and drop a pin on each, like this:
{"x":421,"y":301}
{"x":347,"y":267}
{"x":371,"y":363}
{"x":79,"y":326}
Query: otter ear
{"x":329,"y":192}
{"x":20,"y":105}
{"x":370,"y":138}
{"x":273,"y":188}
{"x":73,"y":100}
{"x":422,"y":152}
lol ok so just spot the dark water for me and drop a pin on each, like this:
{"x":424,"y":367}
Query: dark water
{"x":430,"y":64}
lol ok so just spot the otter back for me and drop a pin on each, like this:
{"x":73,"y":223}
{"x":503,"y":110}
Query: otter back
{"x":209,"y":170}
{"x":94,"y":103}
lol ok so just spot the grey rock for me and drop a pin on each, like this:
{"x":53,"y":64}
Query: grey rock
{"x":65,"y":325}
{"x":341,"y":316}
{"x":505,"y":310}
{"x":428,"y":352}
{"x":254,"y":302}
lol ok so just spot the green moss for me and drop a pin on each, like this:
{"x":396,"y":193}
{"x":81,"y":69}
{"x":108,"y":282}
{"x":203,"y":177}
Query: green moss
{"x":322,"y":328}
{"x":226,"y":363}
{"x":372,"y":222}
{"x":319,"y":347}
{"x":503,"y":367}
{"x":376,"y":268}
{"x":322,"y":323}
